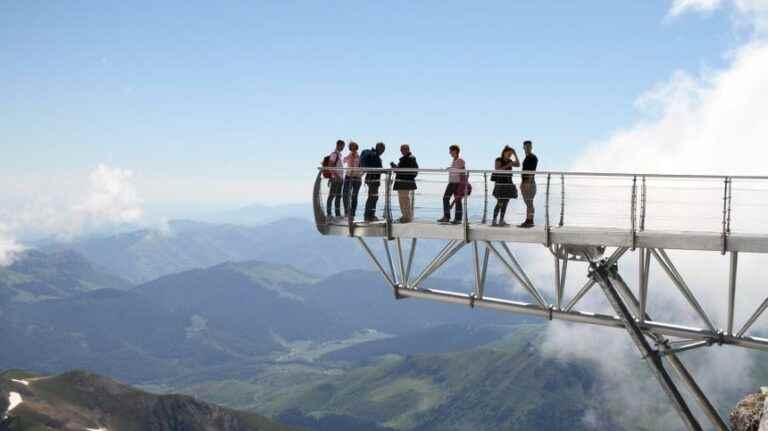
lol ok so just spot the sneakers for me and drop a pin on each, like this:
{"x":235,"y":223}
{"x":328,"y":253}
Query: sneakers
{"x":456,"y":221}
{"x":404,"y":220}
{"x":444,"y":220}
{"x":502,"y":224}
{"x":494,"y":224}
{"x":372,"y":219}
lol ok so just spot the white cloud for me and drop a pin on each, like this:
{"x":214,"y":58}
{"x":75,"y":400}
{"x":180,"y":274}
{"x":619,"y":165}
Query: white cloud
{"x":682,"y":6}
{"x":9,"y":248}
{"x":112,"y":197}
{"x":752,"y":12}
{"x":109,"y":199}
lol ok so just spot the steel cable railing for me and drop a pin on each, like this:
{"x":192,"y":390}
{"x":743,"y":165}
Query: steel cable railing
{"x":633,"y":202}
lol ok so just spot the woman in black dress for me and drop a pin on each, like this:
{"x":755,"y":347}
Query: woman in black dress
{"x":505,"y":188}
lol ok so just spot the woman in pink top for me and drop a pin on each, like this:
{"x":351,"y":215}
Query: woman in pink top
{"x":456,"y":181}
{"x":352,"y":181}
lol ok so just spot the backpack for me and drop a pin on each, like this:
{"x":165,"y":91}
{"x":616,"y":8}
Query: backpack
{"x":327,"y":173}
{"x":365,"y":159}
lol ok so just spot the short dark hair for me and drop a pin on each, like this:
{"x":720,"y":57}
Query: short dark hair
{"x":454,"y":148}
{"x":528,"y":143}
{"x":339,"y":142}
{"x":505,"y":149}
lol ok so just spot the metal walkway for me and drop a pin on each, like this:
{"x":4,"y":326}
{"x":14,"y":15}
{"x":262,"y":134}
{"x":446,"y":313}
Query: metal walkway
{"x":598,"y":219}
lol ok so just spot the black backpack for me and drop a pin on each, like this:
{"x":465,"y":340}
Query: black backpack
{"x":366,"y":159}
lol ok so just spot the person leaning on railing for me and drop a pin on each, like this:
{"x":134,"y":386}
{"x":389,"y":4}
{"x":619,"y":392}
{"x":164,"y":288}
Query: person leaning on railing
{"x":456,"y":181}
{"x":528,"y":183}
{"x":371,"y":159}
{"x":405,"y":183}
{"x":504,"y":188}
{"x":352,"y":181}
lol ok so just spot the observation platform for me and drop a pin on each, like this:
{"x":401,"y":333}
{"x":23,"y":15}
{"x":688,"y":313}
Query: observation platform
{"x":579,"y":217}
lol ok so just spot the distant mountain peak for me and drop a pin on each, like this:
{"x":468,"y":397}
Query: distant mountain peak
{"x":79,"y":400}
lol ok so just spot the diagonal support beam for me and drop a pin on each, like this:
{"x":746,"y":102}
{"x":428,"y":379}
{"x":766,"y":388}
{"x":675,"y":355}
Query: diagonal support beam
{"x":376,"y":262}
{"x":615,"y":256}
{"x":520,"y":278}
{"x":756,"y":315}
{"x":666,"y":263}
{"x":456,"y":246}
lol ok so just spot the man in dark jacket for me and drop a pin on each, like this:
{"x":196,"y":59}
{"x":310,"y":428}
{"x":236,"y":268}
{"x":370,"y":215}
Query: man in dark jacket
{"x":405,"y":183}
{"x":372,"y":159}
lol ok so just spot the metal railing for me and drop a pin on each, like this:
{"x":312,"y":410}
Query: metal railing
{"x":632,"y":202}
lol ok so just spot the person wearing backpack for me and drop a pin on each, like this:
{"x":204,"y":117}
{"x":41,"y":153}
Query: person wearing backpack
{"x":504,"y":188}
{"x":352,"y":181}
{"x":335,"y":175}
{"x":371,"y":159}
{"x":405,"y":183}
{"x":457,"y":187}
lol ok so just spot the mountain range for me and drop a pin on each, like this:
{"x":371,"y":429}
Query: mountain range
{"x":272,"y":320}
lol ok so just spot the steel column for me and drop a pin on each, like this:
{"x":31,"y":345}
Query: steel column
{"x":602,"y":277}
{"x":732,"y":290}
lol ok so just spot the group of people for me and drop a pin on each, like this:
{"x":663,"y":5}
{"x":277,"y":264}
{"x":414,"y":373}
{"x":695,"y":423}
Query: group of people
{"x":345,"y":175}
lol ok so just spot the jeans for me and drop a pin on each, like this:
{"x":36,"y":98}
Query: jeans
{"x":373,"y":198}
{"x":334,"y":196}
{"x":450,"y":190}
{"x":350,"y":192}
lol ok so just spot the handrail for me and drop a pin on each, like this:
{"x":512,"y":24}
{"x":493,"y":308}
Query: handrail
{"x":566,"y":173}
{"x":661,"y":201}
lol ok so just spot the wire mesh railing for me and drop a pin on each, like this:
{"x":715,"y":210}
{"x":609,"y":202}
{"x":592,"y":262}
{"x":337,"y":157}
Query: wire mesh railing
{"x":635,"y":202}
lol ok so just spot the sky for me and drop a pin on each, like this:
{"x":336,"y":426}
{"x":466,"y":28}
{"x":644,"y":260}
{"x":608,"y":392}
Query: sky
{"x":222,"y":105}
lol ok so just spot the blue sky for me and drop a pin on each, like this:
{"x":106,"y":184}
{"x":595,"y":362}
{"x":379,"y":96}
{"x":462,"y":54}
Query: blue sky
{"x":236,"y":102}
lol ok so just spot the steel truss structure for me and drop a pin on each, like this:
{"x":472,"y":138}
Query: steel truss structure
{"x":659,"y":342}
{"x":650,"y":336}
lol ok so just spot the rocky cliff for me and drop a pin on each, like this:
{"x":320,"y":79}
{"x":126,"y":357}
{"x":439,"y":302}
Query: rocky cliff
{"x":751,"y":414}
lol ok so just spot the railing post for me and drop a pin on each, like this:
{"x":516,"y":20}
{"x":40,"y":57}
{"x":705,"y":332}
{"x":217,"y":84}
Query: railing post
{"x":547,"y":227}
{"x":485,"y":194}
{"x":726,"y":216}
{"x":642,"y":204}
{"x":388,"y":204}
{"x":465,"y":220}
{"x":633,"y":212}
{"x":562,"y":200}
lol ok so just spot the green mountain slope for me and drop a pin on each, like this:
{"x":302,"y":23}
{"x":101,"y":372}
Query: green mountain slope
{"x":79,"y":400}
{"x":36,"y":276}
{"x":509,"y":385}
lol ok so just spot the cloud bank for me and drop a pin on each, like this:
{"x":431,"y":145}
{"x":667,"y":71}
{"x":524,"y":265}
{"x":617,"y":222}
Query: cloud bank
{"x":110,"y":198}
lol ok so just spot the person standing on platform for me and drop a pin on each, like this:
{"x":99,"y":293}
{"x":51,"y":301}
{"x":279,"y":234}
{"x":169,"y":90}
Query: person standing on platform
{"x":336,"y":174}
{"x":405,"y":183}
{"x":352,"y":181}
{"x":528,"y":183}
{"x":456,"y":180}
{"x":504,"y":188}
{"x":371,"y":159}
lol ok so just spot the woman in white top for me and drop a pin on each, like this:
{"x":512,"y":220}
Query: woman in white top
{"x":352,"y":181}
